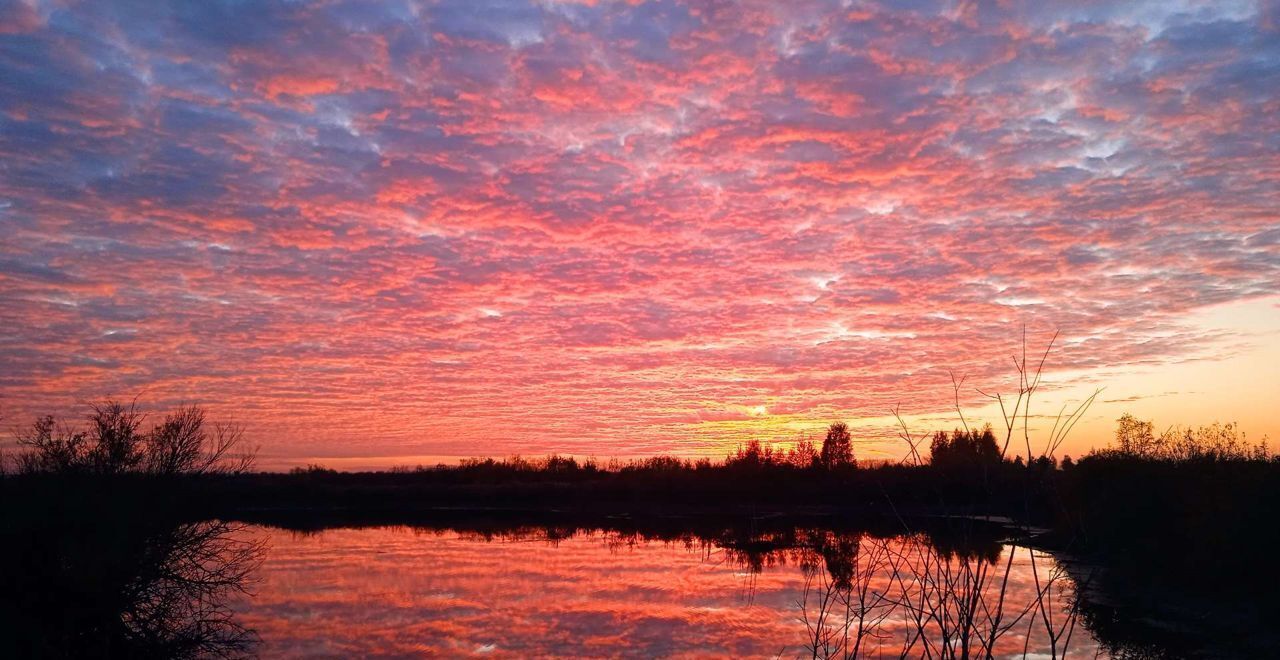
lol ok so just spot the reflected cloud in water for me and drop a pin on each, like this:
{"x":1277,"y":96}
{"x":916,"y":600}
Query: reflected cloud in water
{"x":545,"y":591}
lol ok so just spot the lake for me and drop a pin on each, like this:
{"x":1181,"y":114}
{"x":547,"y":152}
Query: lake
{"x":398,"y":591}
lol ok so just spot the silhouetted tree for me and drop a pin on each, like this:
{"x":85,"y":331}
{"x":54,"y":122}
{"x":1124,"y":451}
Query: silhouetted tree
{"x":753,"y":455}
{"x":804,"y":455}
{"x":971,"y":448}
{"x":837,"y":449}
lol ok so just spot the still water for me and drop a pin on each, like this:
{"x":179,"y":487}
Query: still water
{"x":536,"y":592}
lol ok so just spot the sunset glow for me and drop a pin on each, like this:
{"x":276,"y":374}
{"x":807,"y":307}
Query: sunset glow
{"x":397,"y":232}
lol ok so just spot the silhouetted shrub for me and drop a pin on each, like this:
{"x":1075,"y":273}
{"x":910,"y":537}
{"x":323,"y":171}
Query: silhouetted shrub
{"x":1135,"y":438}
{"x":112,"y":443}
{"x":312,"y":469}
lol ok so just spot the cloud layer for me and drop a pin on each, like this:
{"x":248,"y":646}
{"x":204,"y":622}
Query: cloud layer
{"x":613,"y":228}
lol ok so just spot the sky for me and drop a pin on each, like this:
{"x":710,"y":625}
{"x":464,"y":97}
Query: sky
{"x":383,"y":233}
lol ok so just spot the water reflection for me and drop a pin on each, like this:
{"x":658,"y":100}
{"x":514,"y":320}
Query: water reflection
{"x":103,"y":583}
{"x":98,"y":582}
{"x":906,"y":597}
{"x":790,"y":592}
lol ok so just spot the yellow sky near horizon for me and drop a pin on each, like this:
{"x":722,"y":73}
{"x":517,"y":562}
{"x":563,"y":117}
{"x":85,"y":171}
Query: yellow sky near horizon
{"x":1238,"y":383}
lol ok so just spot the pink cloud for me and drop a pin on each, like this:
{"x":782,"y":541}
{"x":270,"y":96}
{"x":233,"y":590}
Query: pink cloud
{"x":372,"y":231}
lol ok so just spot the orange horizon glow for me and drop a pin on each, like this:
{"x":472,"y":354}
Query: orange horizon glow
{"x":389,"y":233}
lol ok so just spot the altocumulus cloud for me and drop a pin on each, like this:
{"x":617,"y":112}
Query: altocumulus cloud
{"x":395,"y":227}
